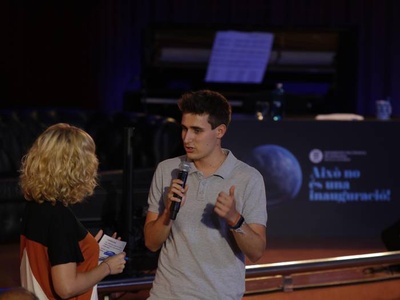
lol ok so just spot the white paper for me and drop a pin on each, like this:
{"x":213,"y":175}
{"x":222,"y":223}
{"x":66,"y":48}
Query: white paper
{"x":110,"y":246}
{"x":239,"y":57}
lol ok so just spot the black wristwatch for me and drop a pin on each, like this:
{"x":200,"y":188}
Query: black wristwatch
{"x":238,"y":226}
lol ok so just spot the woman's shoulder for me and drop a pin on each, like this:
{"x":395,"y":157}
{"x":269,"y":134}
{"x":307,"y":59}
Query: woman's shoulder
{"x":56,"y":212}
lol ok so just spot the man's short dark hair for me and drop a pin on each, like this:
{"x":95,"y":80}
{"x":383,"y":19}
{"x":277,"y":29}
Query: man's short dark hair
{"x":207,"y":102}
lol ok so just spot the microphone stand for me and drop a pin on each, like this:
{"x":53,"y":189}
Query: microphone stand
{"x":128,"y":191}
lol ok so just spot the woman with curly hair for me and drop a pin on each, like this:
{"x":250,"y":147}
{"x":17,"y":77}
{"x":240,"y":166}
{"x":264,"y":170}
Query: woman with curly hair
{"x":59,"y":257}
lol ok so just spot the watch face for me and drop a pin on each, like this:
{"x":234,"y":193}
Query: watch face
{"x":239,"y":230}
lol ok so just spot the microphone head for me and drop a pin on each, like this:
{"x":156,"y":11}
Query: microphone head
{"x":184,"y":166}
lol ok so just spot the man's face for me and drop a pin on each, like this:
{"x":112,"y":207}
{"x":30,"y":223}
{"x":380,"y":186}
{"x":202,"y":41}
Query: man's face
{"x":198,"y":138}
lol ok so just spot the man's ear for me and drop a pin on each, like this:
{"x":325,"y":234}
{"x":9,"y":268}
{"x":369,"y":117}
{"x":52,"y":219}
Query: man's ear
{"x":221,"y":129}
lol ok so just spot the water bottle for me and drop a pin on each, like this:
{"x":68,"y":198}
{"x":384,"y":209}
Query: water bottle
{"x":277,"y":102}
{"x":383,"y":109}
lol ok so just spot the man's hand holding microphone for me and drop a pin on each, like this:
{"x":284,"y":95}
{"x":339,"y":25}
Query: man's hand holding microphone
{"x":178,"y":189}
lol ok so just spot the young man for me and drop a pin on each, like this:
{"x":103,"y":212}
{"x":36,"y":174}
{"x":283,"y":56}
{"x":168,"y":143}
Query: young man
{"x":222,"y":216}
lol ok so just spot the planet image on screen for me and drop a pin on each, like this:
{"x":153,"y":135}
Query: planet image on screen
{"x":281,"y":171}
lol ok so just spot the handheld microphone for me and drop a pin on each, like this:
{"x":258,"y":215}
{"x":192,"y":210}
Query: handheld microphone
{"x":182,"y":175}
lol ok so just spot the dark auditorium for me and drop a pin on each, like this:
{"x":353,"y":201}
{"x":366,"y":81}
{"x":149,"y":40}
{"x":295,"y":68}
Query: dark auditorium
{"x":314,"y":108}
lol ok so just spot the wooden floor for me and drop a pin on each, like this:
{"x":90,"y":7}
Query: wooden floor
{"x":278,"y":250}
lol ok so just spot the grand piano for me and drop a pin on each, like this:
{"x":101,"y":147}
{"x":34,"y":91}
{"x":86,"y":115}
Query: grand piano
{"x":317,"y":67}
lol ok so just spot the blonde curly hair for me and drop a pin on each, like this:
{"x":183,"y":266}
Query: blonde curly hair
{"x":60,"y":166}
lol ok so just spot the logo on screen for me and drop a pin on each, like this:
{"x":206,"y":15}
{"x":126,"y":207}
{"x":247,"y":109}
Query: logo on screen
{"x":316,"y":156}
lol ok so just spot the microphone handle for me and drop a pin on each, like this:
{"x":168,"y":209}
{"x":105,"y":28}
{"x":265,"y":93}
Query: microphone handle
{"x":175,"y":206}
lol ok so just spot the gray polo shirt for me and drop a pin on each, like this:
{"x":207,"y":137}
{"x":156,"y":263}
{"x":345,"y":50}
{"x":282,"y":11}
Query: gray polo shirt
{"x":200,"y":258}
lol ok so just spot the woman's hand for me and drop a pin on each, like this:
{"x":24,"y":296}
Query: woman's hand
{"x":116,"y":263}
{"x":99,"y":235}
{"x":101,"y":232}
{"x":114,"y":235}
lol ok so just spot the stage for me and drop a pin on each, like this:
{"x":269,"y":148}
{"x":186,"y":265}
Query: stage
{"x":278,"y":250}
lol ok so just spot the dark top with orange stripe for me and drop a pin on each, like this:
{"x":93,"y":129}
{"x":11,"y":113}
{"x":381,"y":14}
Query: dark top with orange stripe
{"x":52,"y":235}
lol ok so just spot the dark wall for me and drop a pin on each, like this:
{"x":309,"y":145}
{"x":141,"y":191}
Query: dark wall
{"x":87,"y":53}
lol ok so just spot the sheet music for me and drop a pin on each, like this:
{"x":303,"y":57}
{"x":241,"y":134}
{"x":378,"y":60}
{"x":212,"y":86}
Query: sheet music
{"x":239,"y":57}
